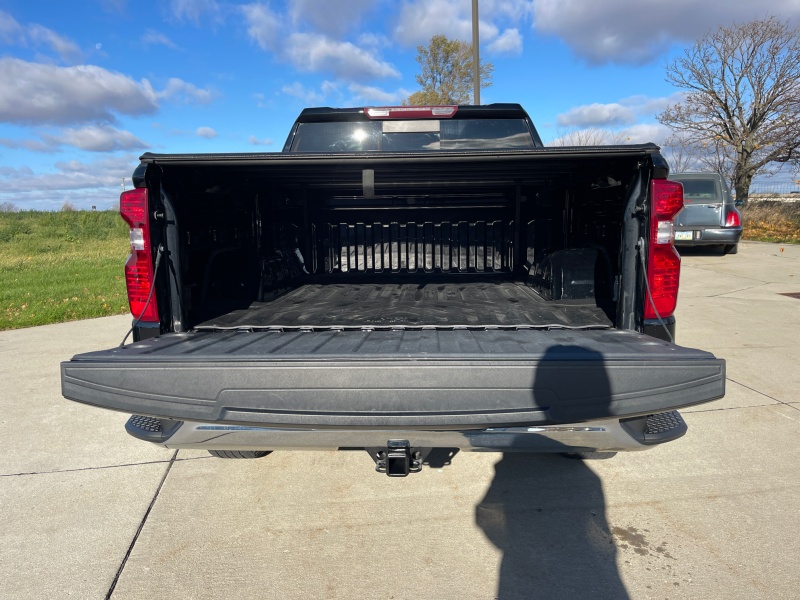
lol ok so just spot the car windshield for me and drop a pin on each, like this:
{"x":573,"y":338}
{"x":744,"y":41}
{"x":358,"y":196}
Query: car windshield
{"x":421,"y":135}
{"x":700,"y":189}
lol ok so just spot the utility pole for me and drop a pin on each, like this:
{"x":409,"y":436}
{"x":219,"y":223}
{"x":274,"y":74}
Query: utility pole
{"x":476,"y":59}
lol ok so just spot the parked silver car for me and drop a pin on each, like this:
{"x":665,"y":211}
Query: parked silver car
{"x":709,"y":216}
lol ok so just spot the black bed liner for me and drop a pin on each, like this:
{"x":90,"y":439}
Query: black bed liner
{"x":422,"y":379}
{"x":441,"y":303}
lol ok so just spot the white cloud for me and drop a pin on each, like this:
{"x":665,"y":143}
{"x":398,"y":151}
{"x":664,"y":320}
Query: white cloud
{"x":311,"y":52}
{"x":615,"y":114}
{"x":620,"y":31}
{"x":93,"y":138}
{"x":264,"y":26}
{"x":11,"y":32}
{"x":373,"y":40}
{"x":115,"y":166}
{"x":184,"y":92}
{"x":332,"y":17}
{"x":367,"y":94}
{"x":308,"y":96}
{"x":65,"y":48}
{"x":99,"y":138}
{"x":508,"y":42}
{"x":31,"y":145}
{"x":420,"y":20}
{"x":206,"y":132}
{"x":279,"y":34}
{"x":329,"y":87}
{"x":260,"y":142}
{"x":152,"y":37}
{"x":36,"y":93}
{"x":642,"y":133}
{"x":83,"y":184}
{"x":645,"y":105}
{"x":115,"y":6}
{"x":194,"y":10}
{"x":597,"y":115}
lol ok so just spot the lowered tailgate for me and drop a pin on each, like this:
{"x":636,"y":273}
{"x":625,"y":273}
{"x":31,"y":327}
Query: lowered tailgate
{"x":427,"y":379}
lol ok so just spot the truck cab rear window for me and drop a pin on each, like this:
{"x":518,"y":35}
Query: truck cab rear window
{"x":413,"y":136}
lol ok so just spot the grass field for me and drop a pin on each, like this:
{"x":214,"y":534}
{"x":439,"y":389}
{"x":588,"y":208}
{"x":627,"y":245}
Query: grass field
{"x":61,"y":266}
{"x":772,"y":222}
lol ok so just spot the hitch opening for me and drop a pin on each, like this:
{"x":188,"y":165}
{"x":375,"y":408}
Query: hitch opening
{"x":398,"y":459}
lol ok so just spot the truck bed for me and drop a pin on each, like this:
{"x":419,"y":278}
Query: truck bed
{"x":429,"y":302}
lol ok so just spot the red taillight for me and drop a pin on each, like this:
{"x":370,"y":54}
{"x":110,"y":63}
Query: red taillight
{"x":411,"y":112}
{"x":734,"y":219}
{"x":133,"y":207}
{"x":663,"y":261}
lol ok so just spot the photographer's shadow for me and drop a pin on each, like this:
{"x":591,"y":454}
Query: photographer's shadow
{"x":546,"y":513}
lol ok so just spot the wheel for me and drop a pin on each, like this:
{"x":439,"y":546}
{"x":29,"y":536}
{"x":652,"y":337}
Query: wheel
{"x":239,"y":453}
{"x":589,"y":455}
{"x":730,"y":249}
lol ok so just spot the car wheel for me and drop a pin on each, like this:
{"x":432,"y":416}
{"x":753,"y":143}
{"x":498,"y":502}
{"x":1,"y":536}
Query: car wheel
{"x":239,"y":453}
{"x":589,"y":455}
{"x":731,"y":249}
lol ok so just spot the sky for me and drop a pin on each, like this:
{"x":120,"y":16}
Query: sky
{"x":87,"y":86}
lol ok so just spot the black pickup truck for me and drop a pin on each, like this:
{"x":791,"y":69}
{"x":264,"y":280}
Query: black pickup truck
{"x":400,"y":280}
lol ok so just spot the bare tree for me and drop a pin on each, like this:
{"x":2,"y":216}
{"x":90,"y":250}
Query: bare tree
{"x":742,"y":97}
{"x":593,"y":136}
{"x":8,"y":207}
{"x":446,"y":76}
{"x":685,"y":154}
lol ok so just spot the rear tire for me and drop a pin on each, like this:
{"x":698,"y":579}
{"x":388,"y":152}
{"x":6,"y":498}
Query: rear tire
{"x":589,"y":455}
{"x":239,"y":453}
{"x":730,"y":249}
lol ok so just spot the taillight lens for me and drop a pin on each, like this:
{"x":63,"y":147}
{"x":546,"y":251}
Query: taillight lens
{"x":663,"y":261}
{"x":734,"y":219}
{"x":133,"y":206}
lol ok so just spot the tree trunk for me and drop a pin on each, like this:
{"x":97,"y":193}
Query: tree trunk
{"x":741,"y":185}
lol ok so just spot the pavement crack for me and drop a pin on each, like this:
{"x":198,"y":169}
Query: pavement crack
{"x":758,"y":392}
{"x":137,"y":464}
{"x":724,"y":408}
{"x":141,"y":526}
{"x":749,"y":287}
{"x":775,"y":400}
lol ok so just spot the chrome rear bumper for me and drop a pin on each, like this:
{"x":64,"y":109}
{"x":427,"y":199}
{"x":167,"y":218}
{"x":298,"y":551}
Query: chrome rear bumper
{"x":605,"y":435}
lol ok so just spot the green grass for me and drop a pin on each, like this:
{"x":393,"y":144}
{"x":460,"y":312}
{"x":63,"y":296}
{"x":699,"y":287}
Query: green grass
{"x":769,"y":221}
{"x":61,"y":266}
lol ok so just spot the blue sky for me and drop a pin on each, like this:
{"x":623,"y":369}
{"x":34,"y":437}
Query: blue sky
{"x":89,"y":85}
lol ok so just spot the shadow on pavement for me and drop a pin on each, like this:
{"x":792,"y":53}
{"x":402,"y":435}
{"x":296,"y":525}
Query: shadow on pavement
{"x":546,"y":513}
{"x":715,"y":250}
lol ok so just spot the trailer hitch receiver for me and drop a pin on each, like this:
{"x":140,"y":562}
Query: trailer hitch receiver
{"x":398,"y":459}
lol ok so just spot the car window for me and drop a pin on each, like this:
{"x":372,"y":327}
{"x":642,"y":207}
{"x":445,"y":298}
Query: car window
{"x":700,"y":189}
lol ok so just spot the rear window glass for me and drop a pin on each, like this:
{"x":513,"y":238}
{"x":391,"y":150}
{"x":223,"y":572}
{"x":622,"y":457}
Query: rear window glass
{"x":700,"y":189}
{"x":422,"y":135}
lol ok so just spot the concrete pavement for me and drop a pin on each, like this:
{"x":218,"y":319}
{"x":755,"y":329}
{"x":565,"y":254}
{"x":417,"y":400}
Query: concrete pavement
{"x":89,"y":512}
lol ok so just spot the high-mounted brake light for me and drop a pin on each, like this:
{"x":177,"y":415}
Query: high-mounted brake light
{"x":411,"y":112}
{"x":663,"y":261}
{"x":133,"y":206}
